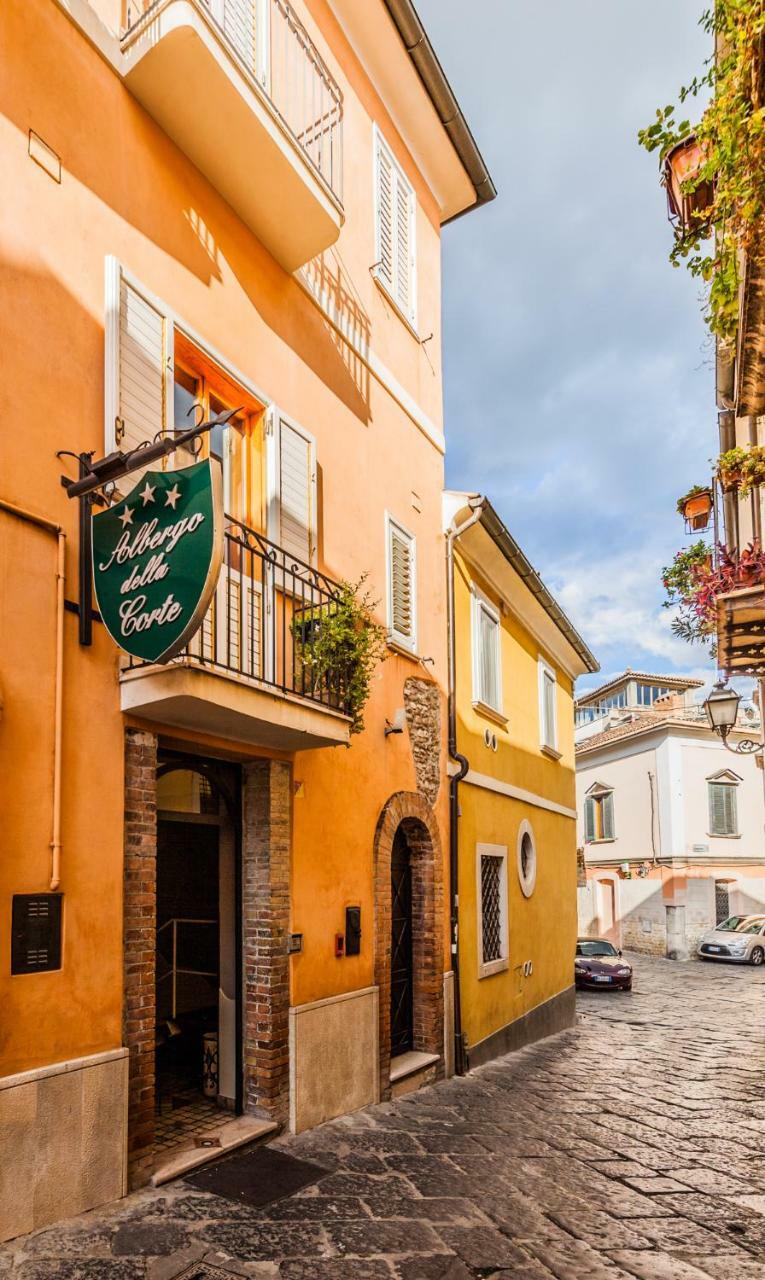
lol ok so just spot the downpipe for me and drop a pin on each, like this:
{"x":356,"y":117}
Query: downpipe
{"x":460,"y":1057}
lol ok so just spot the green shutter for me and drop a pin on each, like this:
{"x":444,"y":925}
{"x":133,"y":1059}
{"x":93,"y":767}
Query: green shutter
{"x":589,"y":820}
{"x":722,"y":809}
{"x":608,"y":816}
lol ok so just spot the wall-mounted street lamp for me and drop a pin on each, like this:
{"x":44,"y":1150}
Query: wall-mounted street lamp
{"x":722,"y":711}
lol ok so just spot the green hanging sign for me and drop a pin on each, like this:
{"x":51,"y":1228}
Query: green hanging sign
{"x":156,"y":559}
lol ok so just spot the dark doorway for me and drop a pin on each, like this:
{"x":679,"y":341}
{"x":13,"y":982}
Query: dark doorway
{"x":196,"y":991}
{"x":401,"y":966}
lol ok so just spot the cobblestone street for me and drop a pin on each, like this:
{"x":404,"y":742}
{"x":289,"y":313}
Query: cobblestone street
{"x":629,"y":1146}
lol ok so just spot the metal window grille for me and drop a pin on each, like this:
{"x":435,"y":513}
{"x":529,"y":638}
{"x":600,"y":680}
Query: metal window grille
{"x":491,"y":907}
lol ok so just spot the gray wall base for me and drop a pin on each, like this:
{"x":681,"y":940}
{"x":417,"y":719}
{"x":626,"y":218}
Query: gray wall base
{"x":554,"y":1015}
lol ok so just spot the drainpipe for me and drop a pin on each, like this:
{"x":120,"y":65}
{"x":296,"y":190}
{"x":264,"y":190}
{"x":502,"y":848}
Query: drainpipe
{"x":452,"y":535}
{"x":58,"y":700}
{"x":755,"y":496}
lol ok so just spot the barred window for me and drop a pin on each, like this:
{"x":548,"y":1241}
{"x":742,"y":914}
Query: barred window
{"x":492,"y":889}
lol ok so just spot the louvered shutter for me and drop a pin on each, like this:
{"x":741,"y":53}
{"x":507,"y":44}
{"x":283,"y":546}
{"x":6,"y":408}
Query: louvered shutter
{"x":589,"y":820}
{"x":404,"y":230}
{"x":548,"y":690}
{"x":402,"y":590}
{"x":386,"y":201}
{"x":608,"y":816}
{"x":722,"y":809}
{"x":138,"y":359}
{"x":296,"y":492}
{"x":396,"y":209}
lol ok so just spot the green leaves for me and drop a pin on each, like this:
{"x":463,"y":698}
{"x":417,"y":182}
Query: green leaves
{"x":731,"y":134}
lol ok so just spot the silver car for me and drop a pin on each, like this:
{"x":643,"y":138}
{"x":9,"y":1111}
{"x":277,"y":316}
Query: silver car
{"x":740,"y":939}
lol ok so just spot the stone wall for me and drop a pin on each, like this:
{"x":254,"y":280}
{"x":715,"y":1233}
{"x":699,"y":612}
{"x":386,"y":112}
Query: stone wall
{"x":423,"y":718}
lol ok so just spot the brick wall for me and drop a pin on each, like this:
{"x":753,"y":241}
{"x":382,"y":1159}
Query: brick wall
{"x":267,"y":816}
{"x":140,"y":924}
{"x":413,"y":812}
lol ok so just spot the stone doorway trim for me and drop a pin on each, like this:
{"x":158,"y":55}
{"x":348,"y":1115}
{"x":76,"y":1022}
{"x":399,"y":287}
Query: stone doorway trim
{"x":411,"y":811}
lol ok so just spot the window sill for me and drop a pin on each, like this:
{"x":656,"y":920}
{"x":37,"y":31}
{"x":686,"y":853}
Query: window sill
{"x":406,"y":322}
{"x":717,"y":835}
{"x":494,"y":967}
{"x":552,"y":752}
{"x":490,"y":713}
{"x":402,"y":649}
{"x":605,"y":840}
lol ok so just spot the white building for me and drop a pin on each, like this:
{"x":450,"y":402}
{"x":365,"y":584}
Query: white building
{"x":671,"y":823}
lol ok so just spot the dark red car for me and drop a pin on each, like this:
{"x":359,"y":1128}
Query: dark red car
{"x":598,"y":965}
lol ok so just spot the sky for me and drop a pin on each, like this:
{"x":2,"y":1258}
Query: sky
{"x":579,"y":389}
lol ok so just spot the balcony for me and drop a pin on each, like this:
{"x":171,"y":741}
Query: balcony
{"x":250,"y":674}
{"x":240,"y":87}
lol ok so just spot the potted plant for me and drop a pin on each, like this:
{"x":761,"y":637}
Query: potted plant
{"x":689,"y":195}
{"x":694,"y":583}
{"x":695,"y":507}
{"x":730,"y":468}
{"x":337,"y":647}
{"x":753,"y":469}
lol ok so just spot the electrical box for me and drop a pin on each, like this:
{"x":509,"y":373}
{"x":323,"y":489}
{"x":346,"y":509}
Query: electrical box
{"x":352,"y":931}
{"x":35,"y":932}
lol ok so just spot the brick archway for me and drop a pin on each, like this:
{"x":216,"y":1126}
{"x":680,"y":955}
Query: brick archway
{"x":410,"y":811}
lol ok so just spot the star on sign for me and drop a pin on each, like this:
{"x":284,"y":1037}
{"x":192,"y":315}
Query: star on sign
{"x":127,"y":517}
{"x":172,"y":496}
{"x":147,"y":493}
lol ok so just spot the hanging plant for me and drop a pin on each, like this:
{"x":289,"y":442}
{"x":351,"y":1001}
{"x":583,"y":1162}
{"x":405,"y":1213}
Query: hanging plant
{"x":716,"y":172}
{"x":337,"y":648}
{"x":695,"y":507}
{"x":742,"y":469}
{"x":730,"y":468}
{"x":693,"y":583}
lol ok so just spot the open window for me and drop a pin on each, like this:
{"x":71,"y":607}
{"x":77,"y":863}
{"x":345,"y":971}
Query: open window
{"x":599,"y":814}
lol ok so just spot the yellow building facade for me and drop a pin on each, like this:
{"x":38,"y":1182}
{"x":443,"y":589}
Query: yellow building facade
{"x":515,"y":659}
{"x":212,"y":208}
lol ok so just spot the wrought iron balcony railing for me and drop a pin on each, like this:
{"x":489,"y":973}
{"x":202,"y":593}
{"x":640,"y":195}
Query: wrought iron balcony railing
{"x":264,"y":624}
{"x":275,"y":50}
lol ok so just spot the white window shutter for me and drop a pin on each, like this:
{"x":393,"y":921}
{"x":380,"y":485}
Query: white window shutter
{"x":138,"y":358}
{"x":297,"y":491}
{"x":405,"y":249}
{"x":402,"y":586}
{"x":386,"y":200}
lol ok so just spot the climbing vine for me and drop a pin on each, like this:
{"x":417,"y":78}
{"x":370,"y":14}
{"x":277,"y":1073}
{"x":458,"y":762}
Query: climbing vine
{"x":731,"y":137}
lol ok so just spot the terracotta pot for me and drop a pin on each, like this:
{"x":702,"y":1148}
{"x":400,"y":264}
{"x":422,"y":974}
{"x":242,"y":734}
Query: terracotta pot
{"x":697,"y":510}
{"x":681,"y":164}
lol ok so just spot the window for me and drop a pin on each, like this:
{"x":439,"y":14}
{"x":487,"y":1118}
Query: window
{"x":293,"y":507}
{"x":491,"y":874}
{"x":548,"y":713}
{"x":723,"y":815}
{"x":599,"y":814}
{"x":395,"y":210}
{"x":402,"y":585}
{"x":527,"y":859}
{"x":487,"y":670}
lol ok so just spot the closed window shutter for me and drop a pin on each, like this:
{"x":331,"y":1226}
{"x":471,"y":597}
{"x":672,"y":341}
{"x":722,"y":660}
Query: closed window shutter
{"x":589,"y":820}
{"x":296,"y":489}
{"x":608,"y":817}
{"x":722,"y":809}
{"x":548,"y":685}
{"x":401,"y":570}
{"x":138,"y":348}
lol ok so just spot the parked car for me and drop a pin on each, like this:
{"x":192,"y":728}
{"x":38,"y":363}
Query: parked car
{"x":599,"y":965}
{"x":739,"y":939}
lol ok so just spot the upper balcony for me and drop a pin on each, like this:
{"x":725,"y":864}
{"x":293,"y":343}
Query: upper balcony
{"x":253,"y":673}
{"x":243,"y":91}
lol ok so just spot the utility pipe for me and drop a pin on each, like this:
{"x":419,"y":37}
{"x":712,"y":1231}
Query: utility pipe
{"x":58,"y":699}
{"x":452,"y":535}
{"x":755,"y":496}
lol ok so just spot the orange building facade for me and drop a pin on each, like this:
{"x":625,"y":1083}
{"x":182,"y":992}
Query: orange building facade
{"x":216,"y":901}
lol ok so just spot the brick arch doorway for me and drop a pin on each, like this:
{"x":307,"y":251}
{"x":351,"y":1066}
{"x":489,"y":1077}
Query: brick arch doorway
{"x":407,"y":837}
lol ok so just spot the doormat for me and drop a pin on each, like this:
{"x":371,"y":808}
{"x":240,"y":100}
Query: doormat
{"x":256,"y":1177}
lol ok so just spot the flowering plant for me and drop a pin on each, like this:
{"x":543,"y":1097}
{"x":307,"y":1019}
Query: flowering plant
{"x":693,"y":583}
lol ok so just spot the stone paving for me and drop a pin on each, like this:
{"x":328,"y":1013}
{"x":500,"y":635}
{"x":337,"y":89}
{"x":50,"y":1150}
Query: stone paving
{"x":629,"y":1146}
